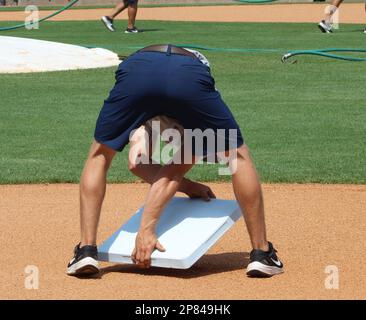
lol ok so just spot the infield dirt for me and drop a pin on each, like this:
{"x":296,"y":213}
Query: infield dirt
{"x":349,"y":13}
{"x":313,"y":226}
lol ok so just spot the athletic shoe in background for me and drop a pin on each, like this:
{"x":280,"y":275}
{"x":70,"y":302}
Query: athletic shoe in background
{"x":131,"y":30}
{"x":325,"y":27}
{"x":108,"y":22}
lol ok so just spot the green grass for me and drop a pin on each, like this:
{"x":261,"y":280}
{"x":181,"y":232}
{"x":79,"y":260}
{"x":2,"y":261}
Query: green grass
{"x":304,"y":122}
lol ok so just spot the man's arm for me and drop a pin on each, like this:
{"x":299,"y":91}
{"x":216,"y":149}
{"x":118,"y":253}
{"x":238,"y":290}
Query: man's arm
{"x":163,"y":188}
{"x":149,"y":171}
{"x":165,"y":182}
{"x":192,"y":189}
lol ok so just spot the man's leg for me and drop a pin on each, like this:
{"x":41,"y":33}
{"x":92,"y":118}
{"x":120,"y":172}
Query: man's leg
{"x":248,"y":192}
{"x":108,"y":20}
{"x":118,"y":9}
{"x":92,"y":190}
{"x":132,"y":12}
{"x":326,"y":24}
{"x":140,"y":161}
{"x":335,"y":4}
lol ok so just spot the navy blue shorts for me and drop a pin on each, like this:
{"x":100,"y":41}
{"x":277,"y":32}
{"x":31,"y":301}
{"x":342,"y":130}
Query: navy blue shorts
{"x":149,"y":84}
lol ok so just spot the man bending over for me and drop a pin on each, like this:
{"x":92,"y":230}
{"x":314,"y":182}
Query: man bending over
{"x":165,"y":80}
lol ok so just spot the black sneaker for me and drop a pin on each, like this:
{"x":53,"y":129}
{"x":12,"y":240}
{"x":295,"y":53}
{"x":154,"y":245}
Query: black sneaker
{"x":264,"y":263}
{"x":132,"y":30}
{"x":84,"y":262}
{"x":108,"y":22}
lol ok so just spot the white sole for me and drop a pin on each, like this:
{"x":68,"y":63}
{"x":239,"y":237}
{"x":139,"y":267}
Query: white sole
{"x":106,"y":23}
{"x":257,"y":269}
{"x":86,"y":266}
{"x":324,"y":28}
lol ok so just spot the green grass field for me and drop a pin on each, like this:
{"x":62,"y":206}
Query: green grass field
{"x":305,"y":122}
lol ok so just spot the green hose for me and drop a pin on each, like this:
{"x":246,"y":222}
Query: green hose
{"x":191,"y":46}
{"x":319,"y":52}
{"x":40,"y":20}
{"x":327,"y":53}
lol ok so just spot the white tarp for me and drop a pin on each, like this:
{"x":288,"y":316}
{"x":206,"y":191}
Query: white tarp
{"x":29,"y":55}
{"x":186,"y":229}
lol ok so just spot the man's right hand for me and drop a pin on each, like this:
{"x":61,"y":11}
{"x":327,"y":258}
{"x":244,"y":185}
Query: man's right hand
{"x":196,"y":190}
{"x":146,"y":242}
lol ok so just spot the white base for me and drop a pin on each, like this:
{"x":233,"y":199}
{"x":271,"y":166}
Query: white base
{"x":186,"y":229}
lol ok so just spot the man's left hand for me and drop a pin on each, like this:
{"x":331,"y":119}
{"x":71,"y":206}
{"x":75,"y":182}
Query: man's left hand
{"x":198,"y":190}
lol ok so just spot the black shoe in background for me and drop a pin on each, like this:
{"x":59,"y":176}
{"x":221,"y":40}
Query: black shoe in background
{"x":132,"y":30}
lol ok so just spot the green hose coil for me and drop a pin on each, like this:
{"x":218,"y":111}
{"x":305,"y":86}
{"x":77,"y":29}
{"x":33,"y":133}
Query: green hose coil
{"x":327,"y":53}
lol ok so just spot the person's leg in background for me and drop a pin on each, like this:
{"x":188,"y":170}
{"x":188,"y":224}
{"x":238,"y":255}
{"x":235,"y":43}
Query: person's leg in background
{"x":326,"y":25}
{"x":132,"y":12}
{"x":118,"y":9}
{"x":108,"y":20}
